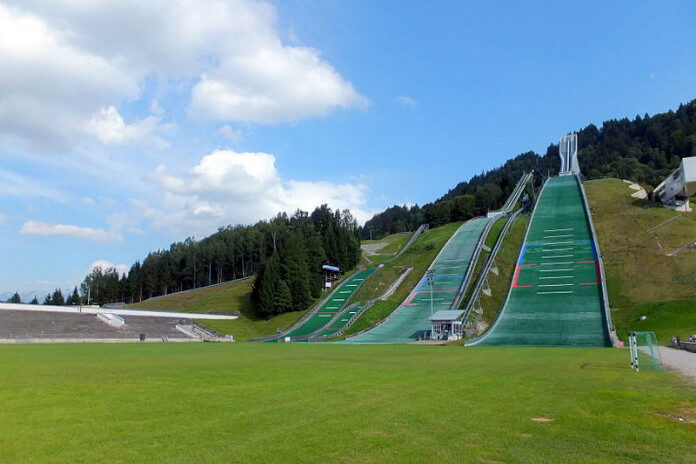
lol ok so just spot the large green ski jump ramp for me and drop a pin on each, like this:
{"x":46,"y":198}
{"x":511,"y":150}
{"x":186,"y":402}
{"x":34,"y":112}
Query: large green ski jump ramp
{"x":556,"y":295}
{"x":450,"y":268}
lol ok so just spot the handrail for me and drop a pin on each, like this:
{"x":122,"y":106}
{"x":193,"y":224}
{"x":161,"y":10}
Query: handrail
{"x":487,"y":264}
{"x":472,"y":266}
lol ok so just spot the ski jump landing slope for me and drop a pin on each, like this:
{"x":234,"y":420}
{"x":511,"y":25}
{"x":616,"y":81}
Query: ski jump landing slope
{"x":450,"y":266}
{"x":555,"y":298}
{"x":332,"y":306}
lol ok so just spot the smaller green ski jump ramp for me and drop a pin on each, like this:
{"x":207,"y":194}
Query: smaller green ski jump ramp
{"x":556,"y":295}
{"x":450,"y":269}
{"x":328,"y":309}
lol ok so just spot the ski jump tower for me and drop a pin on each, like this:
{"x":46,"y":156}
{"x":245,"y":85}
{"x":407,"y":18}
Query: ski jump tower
{"x":568,"y":150}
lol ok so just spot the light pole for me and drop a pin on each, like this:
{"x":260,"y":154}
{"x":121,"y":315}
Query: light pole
{"x":430,"y":277}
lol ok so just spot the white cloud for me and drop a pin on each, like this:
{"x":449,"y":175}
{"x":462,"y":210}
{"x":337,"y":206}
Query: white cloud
{"x":278,"y":83}
{"x":88,"y":201}
{"x":227,"y":187}
{"x":104,"y":265}
{"x":3,"y":218}
{"x":230,"y":133}
{"x":67,"y":230}
{"x":66,"y":63}
{"x":16,"y":185}
{"x":48,"y":83}
{"x":155,"y":108}
{"x":406,"y":101}
{"x":108,"y":126}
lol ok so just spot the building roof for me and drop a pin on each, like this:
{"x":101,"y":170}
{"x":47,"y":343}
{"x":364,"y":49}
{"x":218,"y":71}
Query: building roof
{"x":330,"y":268}
{"x":447,"y":315}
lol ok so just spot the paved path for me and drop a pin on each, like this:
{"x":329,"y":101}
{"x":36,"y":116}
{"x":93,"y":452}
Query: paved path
{"x":683,"y":362}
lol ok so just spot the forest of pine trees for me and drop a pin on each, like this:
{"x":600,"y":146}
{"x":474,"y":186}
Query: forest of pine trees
{"x":645,"y":149}
{"x":285,"y":253}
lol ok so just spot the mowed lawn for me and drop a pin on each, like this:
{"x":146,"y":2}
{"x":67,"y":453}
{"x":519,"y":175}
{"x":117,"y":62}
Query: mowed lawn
{"x":300,"y":403}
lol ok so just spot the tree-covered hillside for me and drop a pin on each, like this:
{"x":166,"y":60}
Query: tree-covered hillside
{"x":644,"y":149}
{"x":286,"y":254}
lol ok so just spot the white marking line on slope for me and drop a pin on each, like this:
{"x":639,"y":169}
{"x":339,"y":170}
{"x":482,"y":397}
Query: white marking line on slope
{"x":558,"y":236}
{"x":332,"y":307}
{"x":557,"y":249}
{"x":325,"y":315}
{"x":557,"y":256}
{"x":351,"y":285}
{"x":556,"y":230}
{"x":557,"y":277}
{"x":551,"y":293}
{"x":558,"y":243}
{"x":346,"y":291}
{"x":556,"y":285}
{"x":555,"y":270}
{"x":559,"y":262}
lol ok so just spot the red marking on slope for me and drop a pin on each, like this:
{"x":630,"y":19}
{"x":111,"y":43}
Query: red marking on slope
{"x":517,"y":274}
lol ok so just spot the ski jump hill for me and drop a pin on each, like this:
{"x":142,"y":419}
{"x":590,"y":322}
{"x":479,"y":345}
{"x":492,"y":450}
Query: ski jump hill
{"x":557,"y":295}
{"x":452,"y":270}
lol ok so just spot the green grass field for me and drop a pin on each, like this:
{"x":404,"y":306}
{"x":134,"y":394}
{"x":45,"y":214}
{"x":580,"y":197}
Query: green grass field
{"x":232,"y":298}
{"x":300,"y":403}
{"x":639,"y":274}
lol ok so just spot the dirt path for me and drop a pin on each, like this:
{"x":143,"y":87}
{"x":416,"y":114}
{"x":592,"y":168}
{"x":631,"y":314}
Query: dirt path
{"x":680,"y":361}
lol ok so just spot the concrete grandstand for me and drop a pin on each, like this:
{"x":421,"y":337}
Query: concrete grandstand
{"x":52,"y":324}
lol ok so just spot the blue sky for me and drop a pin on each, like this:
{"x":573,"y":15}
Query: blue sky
{"x":124,"y":128}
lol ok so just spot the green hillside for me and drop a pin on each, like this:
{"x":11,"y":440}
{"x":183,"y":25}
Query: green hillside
{"x":231,"y":298}
{"x":642,"y":280}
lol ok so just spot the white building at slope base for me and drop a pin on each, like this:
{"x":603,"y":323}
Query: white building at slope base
{"x":676,"y":189}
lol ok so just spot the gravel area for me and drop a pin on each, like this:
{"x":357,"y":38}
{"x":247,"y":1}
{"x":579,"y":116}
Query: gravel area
{"x":680,"y":361}
{"x":372,"y":248}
